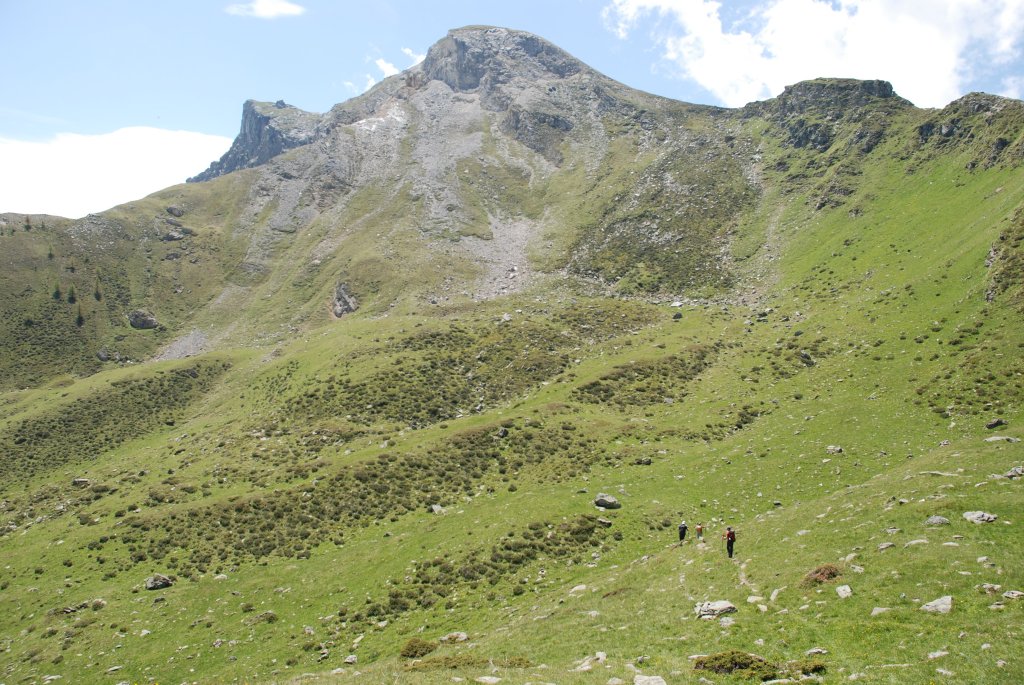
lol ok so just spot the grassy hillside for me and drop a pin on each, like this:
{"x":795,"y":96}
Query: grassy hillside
{"x":318,"y":489}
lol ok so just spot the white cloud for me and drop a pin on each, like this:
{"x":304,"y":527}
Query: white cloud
{"x":266,"y":9}
{"x":73,"y":175}
{"x":386,"y":67}
{"x":928,"y":49}
{"x":415,"y":57}
{"x":1013,"y":86}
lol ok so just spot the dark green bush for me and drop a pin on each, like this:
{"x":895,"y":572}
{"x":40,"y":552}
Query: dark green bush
{"x":417,"y":647}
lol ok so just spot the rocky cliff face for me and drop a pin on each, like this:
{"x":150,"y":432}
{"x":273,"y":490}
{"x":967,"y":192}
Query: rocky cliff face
{"x":268,"y":129}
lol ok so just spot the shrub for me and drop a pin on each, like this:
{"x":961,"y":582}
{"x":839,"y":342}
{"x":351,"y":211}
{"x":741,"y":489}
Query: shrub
{"x":739,"y":663}
{"x":822,"y":574}
{"x":416,"y":648}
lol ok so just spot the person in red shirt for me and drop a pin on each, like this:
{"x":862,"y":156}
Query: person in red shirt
{"x":730,"y":539}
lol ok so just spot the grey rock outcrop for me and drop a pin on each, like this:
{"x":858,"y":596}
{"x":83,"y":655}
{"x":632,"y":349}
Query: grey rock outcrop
{"x":142,"y":320}
{"x":942,"y":605}
{"x":936,"y":521}
{"x":606,"y":501}
{"x":711,"y":610}
{"x":979,"y":516}
{"x":268,"y":129}
{"x":344,"y":302}
{"x":158,"y":582}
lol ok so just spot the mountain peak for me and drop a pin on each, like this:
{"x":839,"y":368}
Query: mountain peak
{"x":475,"y":57}
{"x":268,"y":129}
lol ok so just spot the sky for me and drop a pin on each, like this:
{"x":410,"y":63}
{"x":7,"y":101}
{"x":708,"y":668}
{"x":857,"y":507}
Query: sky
{"x":106,"y":101}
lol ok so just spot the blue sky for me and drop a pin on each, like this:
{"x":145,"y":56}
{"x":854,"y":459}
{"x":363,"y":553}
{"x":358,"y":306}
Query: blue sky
{"x":107,"y":100}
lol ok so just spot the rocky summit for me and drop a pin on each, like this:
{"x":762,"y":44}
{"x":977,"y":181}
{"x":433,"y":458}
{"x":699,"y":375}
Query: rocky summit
{"x":456,"y":357}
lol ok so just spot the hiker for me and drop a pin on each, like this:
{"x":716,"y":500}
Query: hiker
{"x":700,"y":532}
{"x":682,"y":530}
{"x":730,"y":539}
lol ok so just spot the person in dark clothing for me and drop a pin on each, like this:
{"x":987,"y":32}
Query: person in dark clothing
{"x":682,"y":530}
{"x":730,"y":539}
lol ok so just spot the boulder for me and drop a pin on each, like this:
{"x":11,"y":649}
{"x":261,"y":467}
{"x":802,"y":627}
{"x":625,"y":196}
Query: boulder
{"x":1013,"y":594}
{"x":142,"y":320}
{"x":712,"y":610}
{"x":1002,"y":438}
{"x":158,"y":581}
{"x":995,"y":423}
{"x":844,"y":591}
{"x":979,"y":517}
{"x":942,"y":605}
{"x":606,"y":501}
{"x":176,"y":211}
{"x":834,"y":449}
{"x":936,"y":521}
{"x":1015,"y":473}
{"x":344,"y":302}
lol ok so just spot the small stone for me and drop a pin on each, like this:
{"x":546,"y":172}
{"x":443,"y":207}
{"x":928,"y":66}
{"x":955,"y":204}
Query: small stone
{"x":886,"y":545}
{"x":726,"y":621}
{"x":606,"y":501}
{"x":488,"y":680}
{"x":754,"y":599}
{"x":878,"y":611}
{"x":711,"y":610}
{"x":455,"y":637}
{"x":648,"y":680}
{"x":844,"y":591}
{"x":936,"y":521}
{"x":942,"y":605}
{"x":979,"y":516}
{"x":989,"y":588}
{"x":942,"y":671}
{"x":1013,"y":594}
{"x":920,"y":541}
{"x":815,"y":650}
{"x":938,"y":654}
{"x":351,"y":659}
